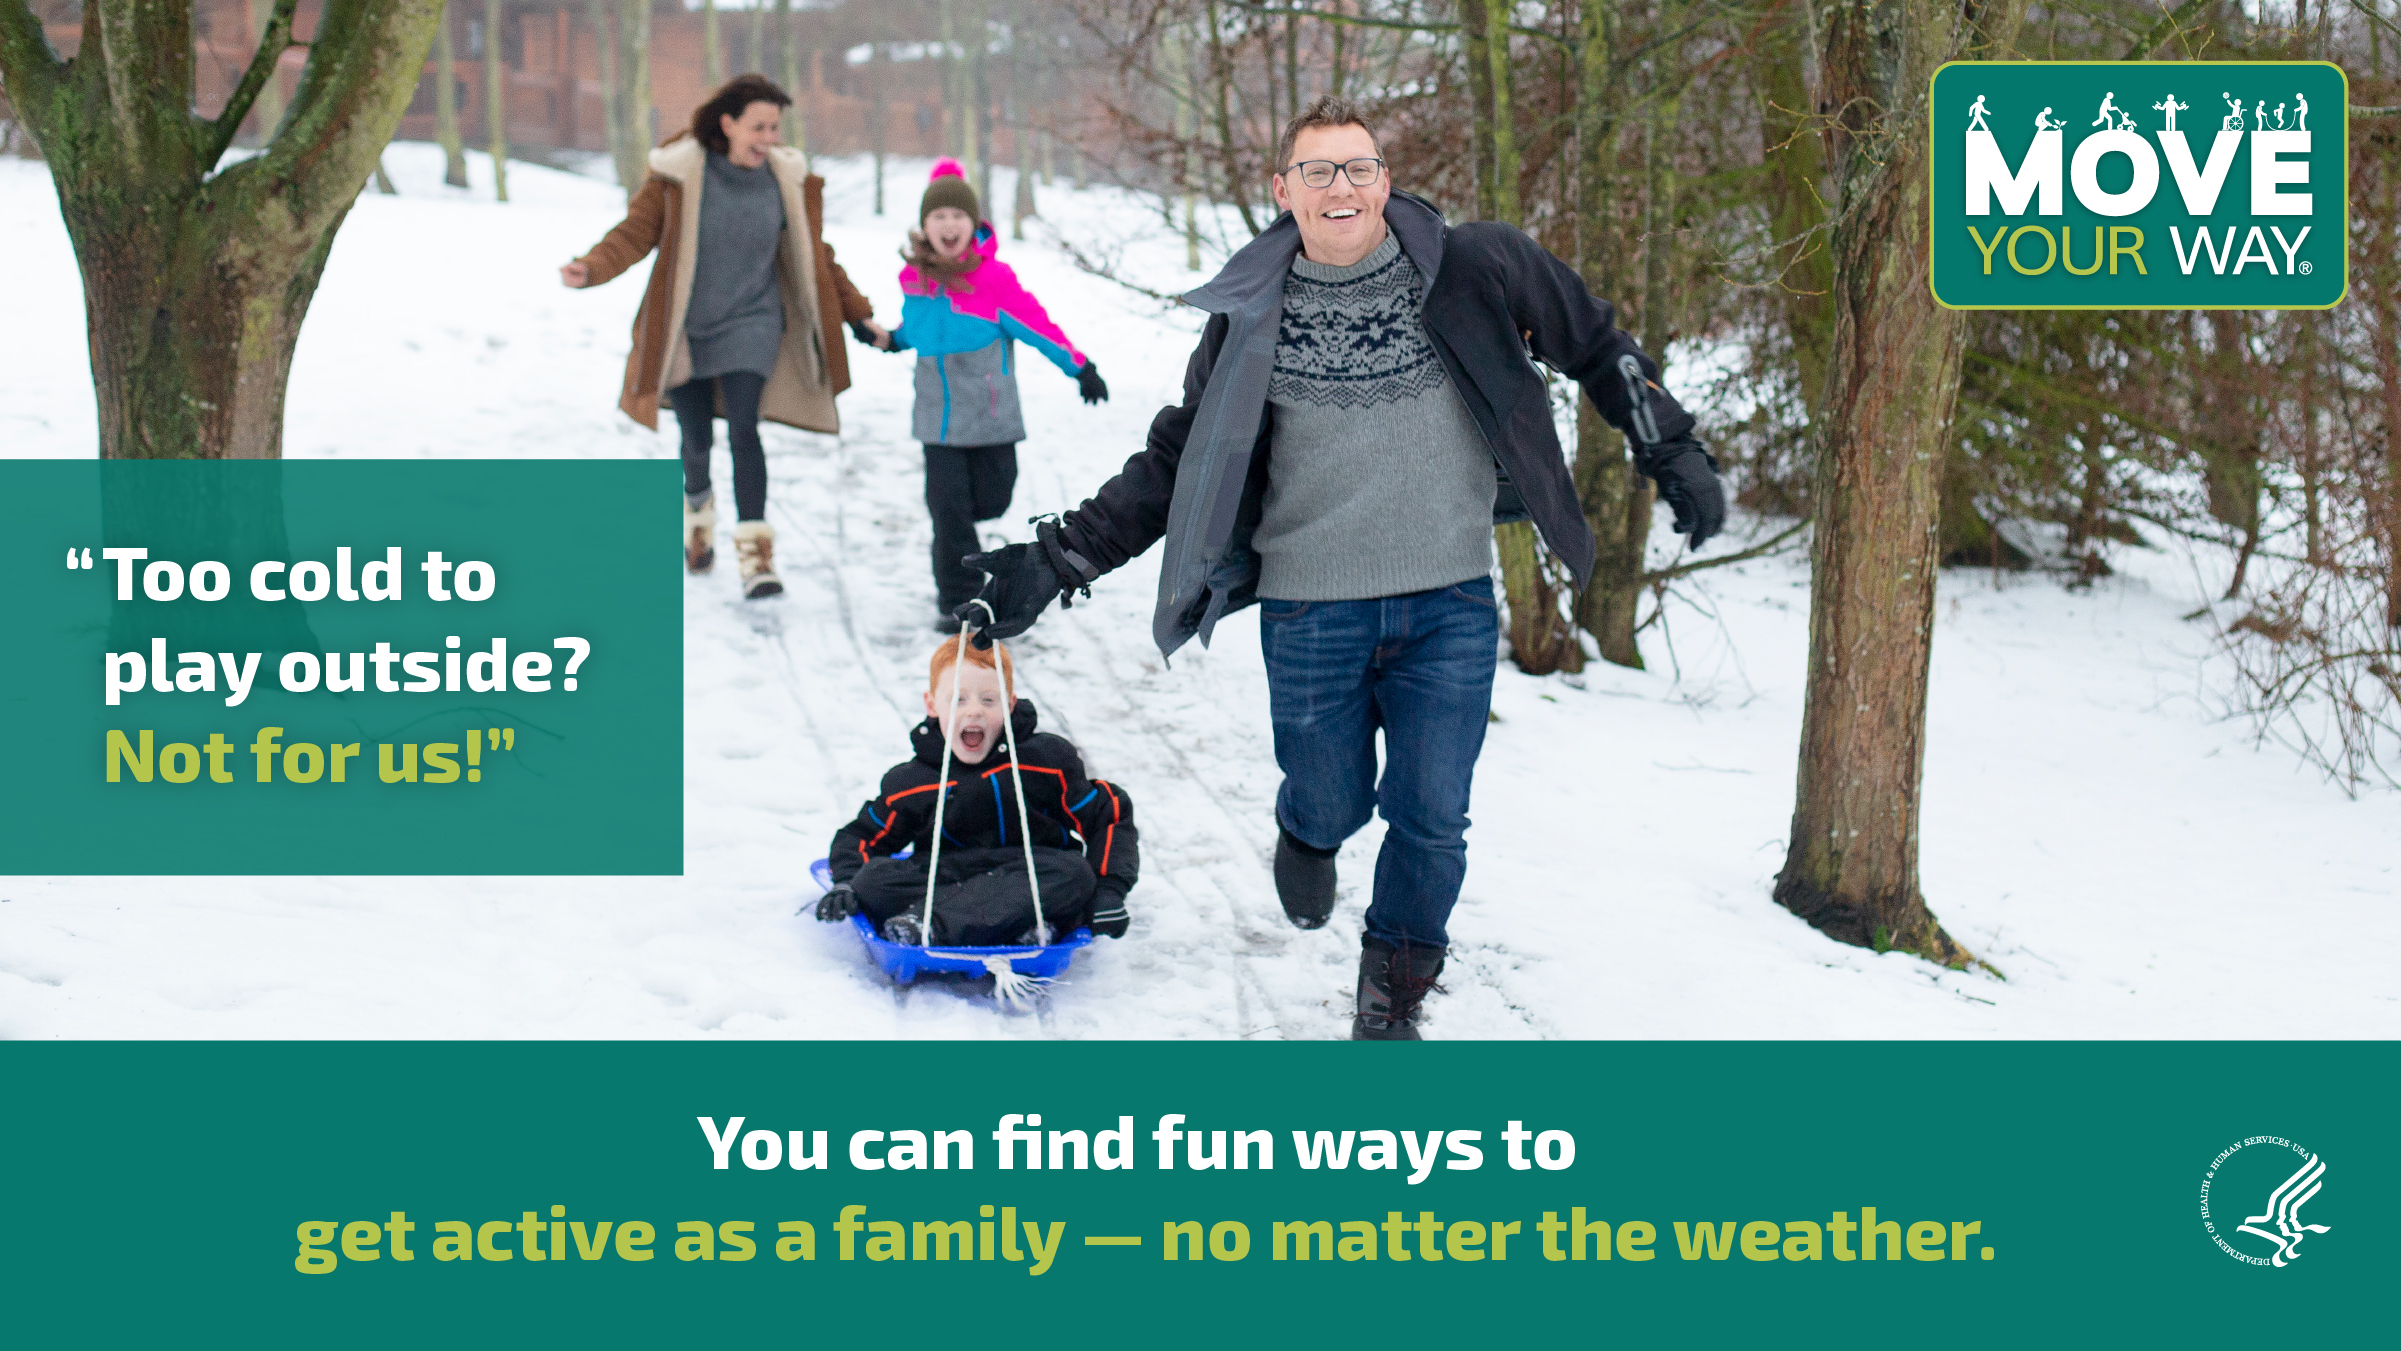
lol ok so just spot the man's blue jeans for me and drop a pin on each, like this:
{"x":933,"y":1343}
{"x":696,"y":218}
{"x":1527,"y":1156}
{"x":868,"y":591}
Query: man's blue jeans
{"x":1420,"y":667}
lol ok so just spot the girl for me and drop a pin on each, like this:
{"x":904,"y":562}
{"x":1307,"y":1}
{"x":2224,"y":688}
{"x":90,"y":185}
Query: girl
{"x":742,"y":316}
{"x":962,"y":308}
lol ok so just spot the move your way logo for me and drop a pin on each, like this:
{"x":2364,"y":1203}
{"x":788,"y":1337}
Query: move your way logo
{"x":2138,"y":185}
{"x":2271,"y":1238}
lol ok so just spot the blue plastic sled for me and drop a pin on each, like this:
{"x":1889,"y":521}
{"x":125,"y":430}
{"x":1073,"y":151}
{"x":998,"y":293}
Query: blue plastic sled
{"x":903,"y":963}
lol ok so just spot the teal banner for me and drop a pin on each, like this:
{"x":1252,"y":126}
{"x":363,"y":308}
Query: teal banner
{"x":340,"y":667}
{"x":1131,"y":1194}
{"x":2138,"y":185}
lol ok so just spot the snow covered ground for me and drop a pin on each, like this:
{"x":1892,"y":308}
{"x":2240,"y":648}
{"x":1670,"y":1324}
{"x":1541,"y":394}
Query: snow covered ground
{"x":2132,"y":864}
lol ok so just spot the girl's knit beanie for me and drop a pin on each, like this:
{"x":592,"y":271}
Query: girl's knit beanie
{"x":950,"y":188}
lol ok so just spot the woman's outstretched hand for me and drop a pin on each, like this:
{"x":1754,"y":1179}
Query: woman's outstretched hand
{"x":1089,"y":384}
{"x":575,"y":276}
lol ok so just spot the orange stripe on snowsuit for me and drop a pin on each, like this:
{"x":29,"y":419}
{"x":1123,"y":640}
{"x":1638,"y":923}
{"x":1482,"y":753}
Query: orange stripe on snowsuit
{"x":905,"y":792}
{"x":1060,"y":775}
{"x":1116,"y":814}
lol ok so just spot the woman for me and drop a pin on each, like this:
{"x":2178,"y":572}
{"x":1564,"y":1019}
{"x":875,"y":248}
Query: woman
{"x":962,"y":310}
{"x":743,"y":320}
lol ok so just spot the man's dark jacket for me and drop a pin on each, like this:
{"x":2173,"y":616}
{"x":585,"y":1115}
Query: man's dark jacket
{"x":1494,"y":301}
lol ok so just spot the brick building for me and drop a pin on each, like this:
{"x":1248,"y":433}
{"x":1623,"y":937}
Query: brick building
{"x":552,"y":66}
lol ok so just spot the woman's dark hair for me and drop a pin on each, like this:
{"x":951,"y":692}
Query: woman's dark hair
{"x":733,"y":100}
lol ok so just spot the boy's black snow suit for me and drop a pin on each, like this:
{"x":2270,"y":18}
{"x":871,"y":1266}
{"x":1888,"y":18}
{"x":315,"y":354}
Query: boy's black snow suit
{"x":1085,"y":844}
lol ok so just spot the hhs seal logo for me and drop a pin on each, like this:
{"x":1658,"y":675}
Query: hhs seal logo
{"x":2238,"y":1184}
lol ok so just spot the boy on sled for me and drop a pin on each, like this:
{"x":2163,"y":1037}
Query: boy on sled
{"x":1085,"y":852}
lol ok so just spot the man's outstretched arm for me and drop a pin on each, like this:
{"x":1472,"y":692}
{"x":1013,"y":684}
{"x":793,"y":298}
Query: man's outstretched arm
{"x":1577,"y":333}
{"x":1127,"y":516}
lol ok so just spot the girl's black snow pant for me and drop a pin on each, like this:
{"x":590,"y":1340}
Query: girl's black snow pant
{"x":695,"y":412}
{"x":982,"y":900}
{"x":963,"y":485}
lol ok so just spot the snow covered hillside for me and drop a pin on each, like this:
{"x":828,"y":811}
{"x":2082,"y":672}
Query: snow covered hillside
{"x":2135,"y":867}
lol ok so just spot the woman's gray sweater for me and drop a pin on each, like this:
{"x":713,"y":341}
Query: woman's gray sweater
{"x":735,"y":319}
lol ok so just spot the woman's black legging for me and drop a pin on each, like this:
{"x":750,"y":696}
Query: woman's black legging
{"x":695,"y":409}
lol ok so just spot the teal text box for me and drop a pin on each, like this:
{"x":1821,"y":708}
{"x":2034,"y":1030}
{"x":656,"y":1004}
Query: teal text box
{"x":521,"y":776}
{"x":163,"y":1189}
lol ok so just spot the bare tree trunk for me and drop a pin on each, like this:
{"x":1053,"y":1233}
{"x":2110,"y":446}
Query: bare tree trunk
{"x":1851,"y":869}
{"x":270,"y":95}
{"x":446,"y":105}
{"x":1221,"y":80}
{"x":2388,"y":369}
{"x":1796,"y":171}
{"x":633,"y":93}
{"x":1479,"y":96}
{"x":712,"y":49}
{"x":1292,"y":60}
{"x":979,"y":71}
{"x":1180,"y":79}
{"x":195,"y":285}
{"x":954,"y":97}
{"x":1504,"y":113}
{"x":879,"y":76}
{"x":796,"y":123}
{"x":496,"y":100}
{"x":1021,"y":201}
{"x":2313,"y":474}
{"x":1615,"y":500}
{"x":1334,"y":65}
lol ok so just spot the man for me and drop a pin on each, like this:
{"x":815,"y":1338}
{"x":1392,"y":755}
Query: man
{"x":1361,"y":409}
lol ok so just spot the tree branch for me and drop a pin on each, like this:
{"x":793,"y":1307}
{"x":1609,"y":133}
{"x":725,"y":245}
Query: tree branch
{"x":1755,"y":551}
{"x":2167,"y":27}
{"x":1407,"y":26}
{"x":216,"y":136}
{"x":29,"y":70}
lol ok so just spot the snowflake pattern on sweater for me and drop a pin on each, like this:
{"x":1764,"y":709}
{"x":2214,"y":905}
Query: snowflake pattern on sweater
{"x":1357,"y":342}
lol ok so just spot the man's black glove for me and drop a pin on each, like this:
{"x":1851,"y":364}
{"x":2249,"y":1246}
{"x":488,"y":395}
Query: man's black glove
{"x":1018,"y":586}
{"x":1090,"y":385}
{"x":1021,"y":582}
{"x":837,"y":904}
{"x":1687,"y":477}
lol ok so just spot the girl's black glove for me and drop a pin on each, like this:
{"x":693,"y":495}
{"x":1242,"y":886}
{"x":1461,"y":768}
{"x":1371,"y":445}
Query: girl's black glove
{"x":1090,"y":385}
{"x":1109,"y":919}
{"x":858,"y":329}
{"x":1687,"y":477}
{"x":838,"y":904}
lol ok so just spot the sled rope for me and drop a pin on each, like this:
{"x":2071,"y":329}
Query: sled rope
{"x":1007,"y":985}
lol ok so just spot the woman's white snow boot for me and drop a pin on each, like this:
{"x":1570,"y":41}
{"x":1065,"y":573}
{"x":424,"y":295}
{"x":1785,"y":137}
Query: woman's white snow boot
{"x":700,"y":535}
{"x":754,"y":547}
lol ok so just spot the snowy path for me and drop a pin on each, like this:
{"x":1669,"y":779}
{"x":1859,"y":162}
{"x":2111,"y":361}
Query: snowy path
{"x":2137,"y":869}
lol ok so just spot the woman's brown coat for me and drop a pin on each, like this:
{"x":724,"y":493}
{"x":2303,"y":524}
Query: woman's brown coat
{"x":810,"y":368}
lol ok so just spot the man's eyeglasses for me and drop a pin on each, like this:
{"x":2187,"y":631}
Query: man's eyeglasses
{"x":1319,"y":173}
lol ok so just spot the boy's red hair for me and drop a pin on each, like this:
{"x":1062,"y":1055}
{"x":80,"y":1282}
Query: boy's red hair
{"x":947,"y":656}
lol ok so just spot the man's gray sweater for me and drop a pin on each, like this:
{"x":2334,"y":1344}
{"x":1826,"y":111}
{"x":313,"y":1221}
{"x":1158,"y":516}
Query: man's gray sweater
{"x":1379,"y":483}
